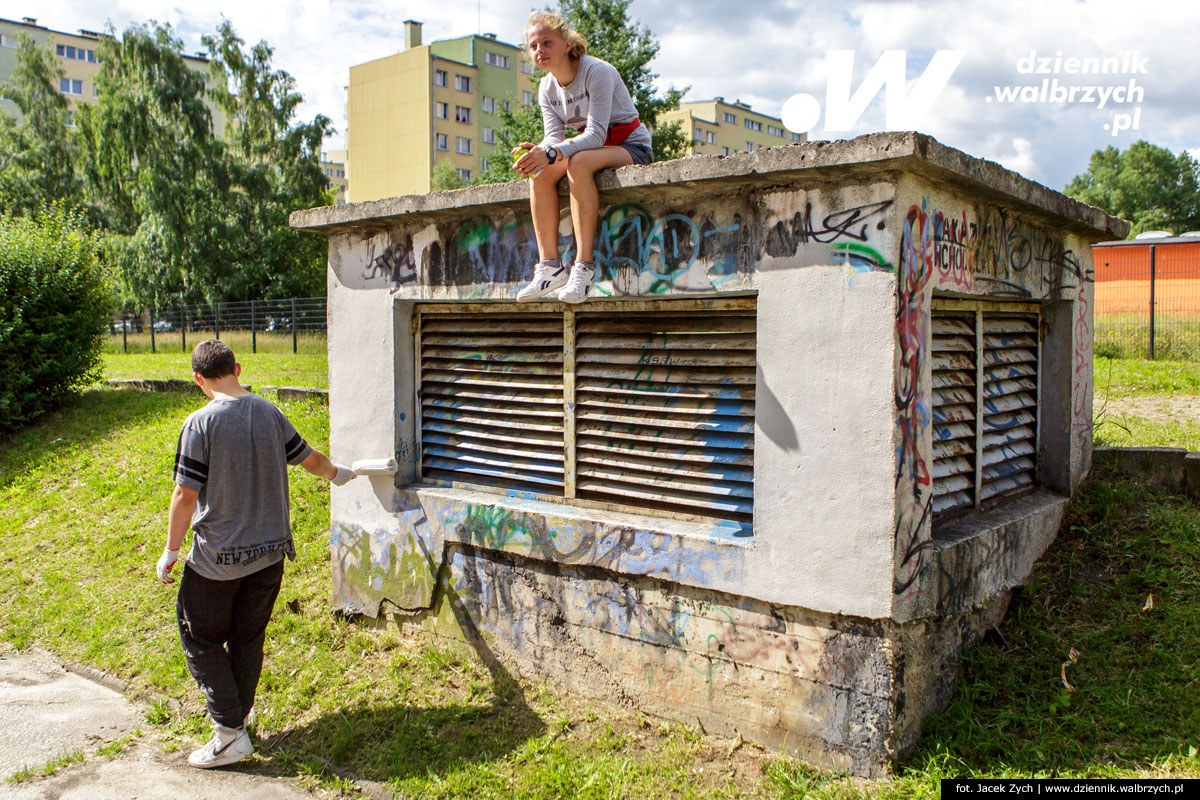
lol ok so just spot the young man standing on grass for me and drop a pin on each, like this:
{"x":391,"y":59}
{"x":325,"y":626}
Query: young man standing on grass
{"x":232,"y":487}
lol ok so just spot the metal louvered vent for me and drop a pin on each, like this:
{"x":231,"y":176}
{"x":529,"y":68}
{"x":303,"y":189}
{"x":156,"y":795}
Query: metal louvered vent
{"x":625,"y":405}
{"x":985,"y":401}
{"x":665,"y":410}
{"x":1010,"y":392}
{"x":954,"y":405}
{"x":492,"y":400}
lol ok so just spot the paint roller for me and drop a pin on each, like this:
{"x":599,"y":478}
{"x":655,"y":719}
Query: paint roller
{"x":375,"y":466}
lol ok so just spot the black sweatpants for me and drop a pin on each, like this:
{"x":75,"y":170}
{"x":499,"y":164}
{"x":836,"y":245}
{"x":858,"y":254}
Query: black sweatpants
{"x":222,"y":625}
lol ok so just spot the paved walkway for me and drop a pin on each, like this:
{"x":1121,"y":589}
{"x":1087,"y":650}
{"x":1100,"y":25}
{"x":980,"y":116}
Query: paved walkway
{"x":47,"y":711}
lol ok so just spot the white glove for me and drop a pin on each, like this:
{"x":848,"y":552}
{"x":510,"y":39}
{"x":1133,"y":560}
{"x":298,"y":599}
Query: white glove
{"x":343,"y":476}
{"x":165,"y":562}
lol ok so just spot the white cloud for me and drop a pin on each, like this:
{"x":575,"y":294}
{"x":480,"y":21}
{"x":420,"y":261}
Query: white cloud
{"x":765,"y":51}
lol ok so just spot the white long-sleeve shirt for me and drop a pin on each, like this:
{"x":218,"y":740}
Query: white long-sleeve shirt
{"x":592,"y":103}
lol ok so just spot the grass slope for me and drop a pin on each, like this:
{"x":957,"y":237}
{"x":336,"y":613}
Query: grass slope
{"x":82,"y":520}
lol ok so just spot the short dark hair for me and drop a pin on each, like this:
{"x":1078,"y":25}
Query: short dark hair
{"x":212,"y":358}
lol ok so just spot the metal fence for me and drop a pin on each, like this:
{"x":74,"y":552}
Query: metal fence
{"x":273,"y":325}
{"x":1147,"y":301}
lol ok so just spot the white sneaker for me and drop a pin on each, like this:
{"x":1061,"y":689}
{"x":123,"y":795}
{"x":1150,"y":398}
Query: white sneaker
{"x":578,"y":285}
{"x":546,"y":278}
{"x":227,"y":746}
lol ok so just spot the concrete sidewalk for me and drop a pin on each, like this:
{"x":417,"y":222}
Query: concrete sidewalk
{"x":47,"y":711}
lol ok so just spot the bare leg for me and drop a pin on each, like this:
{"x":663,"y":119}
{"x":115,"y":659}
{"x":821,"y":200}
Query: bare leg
{"x":543,"y":206}
{"x":585,"y":197}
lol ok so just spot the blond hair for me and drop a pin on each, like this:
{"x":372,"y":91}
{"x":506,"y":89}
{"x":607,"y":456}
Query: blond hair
{"x":576,"y":44}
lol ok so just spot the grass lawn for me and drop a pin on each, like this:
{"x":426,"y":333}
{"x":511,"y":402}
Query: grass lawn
{"x":82,"y":513}
{"x":258,"y":369}
{"x":1141,"y":402}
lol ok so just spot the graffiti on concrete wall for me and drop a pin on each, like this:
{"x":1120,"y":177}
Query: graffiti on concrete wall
{"x":638,"y":251}
{"x":913,"y":482}
{"x":394,"y":264}
{"x":989,"y":251}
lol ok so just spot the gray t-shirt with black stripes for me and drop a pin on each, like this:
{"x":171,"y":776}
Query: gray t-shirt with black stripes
{"x":235,"y":452}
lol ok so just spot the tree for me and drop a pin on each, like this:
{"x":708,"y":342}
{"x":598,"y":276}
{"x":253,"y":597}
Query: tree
{"x":274,"y":165}
{"x":152,"y":167}
{"x":446,"y":176}
{"x":37,"y":153}
{"x":192,"y":215}
{"x":1147,"y":185}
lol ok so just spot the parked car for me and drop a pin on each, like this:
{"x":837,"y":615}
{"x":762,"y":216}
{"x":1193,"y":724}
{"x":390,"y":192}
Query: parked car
{"x":164,"y":326}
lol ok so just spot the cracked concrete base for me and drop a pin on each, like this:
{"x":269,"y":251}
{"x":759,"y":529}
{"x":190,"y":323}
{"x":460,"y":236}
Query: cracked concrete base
{"x":47,"y":711}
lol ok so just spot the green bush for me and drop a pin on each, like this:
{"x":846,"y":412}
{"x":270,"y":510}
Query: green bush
{"x":53,"y":314}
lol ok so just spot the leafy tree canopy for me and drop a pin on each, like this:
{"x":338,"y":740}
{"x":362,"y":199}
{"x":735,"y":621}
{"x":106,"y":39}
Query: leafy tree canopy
{"x":37,"y":153}
{"x":1147,"y":185}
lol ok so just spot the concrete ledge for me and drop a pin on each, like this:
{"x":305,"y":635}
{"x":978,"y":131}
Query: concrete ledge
{"x":815,"y":160}
{"x":157,"y":385}
{"x":981,"y":555}
{"x":1162,"y":467}
{"x":301,"y":393}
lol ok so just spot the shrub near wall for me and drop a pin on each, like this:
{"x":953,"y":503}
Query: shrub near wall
{"x":53,"y":313}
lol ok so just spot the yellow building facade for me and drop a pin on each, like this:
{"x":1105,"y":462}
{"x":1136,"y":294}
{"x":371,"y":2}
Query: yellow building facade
{"x":426,"y":104}
{"x":715,"y":127}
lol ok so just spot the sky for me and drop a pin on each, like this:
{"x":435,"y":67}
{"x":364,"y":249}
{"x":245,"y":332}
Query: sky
{"x":764,"y":52}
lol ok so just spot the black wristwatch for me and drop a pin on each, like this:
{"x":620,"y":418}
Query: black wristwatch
{"x":552,"y":154}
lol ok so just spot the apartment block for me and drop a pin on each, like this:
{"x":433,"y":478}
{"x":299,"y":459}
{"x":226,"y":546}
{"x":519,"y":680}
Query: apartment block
{"x":716,"y":127}
{"x":426,"y":104}
{"x":78,"y":55}
{"x":333,"y":164}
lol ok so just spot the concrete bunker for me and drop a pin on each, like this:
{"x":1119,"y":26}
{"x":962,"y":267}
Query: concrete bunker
{"x":827,"y":413}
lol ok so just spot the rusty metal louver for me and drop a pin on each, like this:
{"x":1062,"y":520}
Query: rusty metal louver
{"x":646,"y":405}
{"x":665,"y":410}
{"x":954,"y":410}
{"x":1010,"y":392}
{"x":985,"y":401}
{"x":492,"y":400}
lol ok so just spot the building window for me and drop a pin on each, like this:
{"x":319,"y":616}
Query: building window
{"x":489,"y":105}
{"x":441,"y":110}
{"x":465,"y":174}
{"x":341,"y":173}
{"x":7,"y":41}
{"x":484,"y":164}
{"x":797,"y":137}
{"x":505,"y":105}
{"x":526,"y":67}
{"x":774,"y":131}
{"x":753,"y":125}
{"x":91,"y":56}
{"x":730,"y":118}
{"x":70,"y":119}
{"x":526,"y":98}
{"x":724,"y":151}
{"x":462,"y":83}
{"x":489,"y":137}
{"x":496,"y":60}
{"x":70,"y":86}
{"x":462,"y":114}
{"x":462,"y":145}
{"x":632,"y":446}
{"x":976,"y":346}
{"x":439,"y":77}
{"x":699,"y":135}
{"x":442,"y":142}
{"x":749,"y":146}
{"x":710,"y":137}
